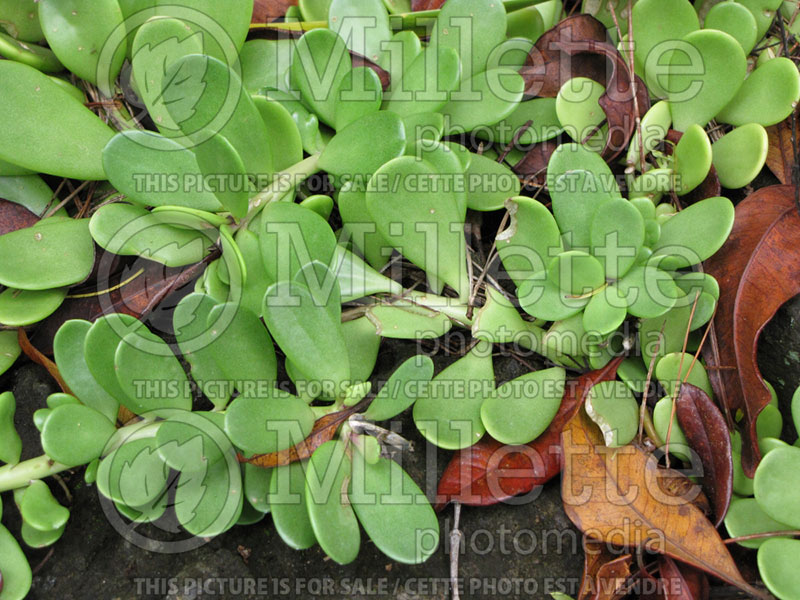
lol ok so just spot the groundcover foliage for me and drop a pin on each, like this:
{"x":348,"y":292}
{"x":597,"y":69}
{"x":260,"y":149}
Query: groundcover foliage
{"x":307,"y":188}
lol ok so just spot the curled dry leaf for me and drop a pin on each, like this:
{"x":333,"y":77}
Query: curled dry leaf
{"x":613,"y":495}
{"x":323,"y":431}
{"x":604,"y":572}
{"x":14,"y":216}
{"x":708,"y":435}
{"x":747,"y":303}
{"x":780,"y":152}
{"x":618,"y":101}
{"x":682,"y":582}
{"x":578,"y":47}
{"x":490,"y":472}
{"x":771,"y":278}
{"x":548,"y":66}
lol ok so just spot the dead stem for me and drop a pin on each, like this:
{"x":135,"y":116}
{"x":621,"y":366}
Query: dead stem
{"x":677,"y":388}
{"x":648,"y":379}
{"x":456,"y":537}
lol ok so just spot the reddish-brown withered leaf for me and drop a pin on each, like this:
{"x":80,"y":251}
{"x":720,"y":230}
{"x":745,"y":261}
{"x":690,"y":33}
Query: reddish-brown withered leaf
{"x":137,"y":290}
{"x":490,"y":472}
{"x":533,"y":166}
{"x":604,"y":572}
{"x":754,"y":216}
{"x":771,"y":278}
{"x":265,"y":11}
{"x":708,"y":435}
{"x":682,"y":582}
{"x":417,"y":5}
{"x":780,"y":152}
{"x":613,"y":495}
{"x":618,"y":100}
{"x":548,"y":67}
{"x":323,"y":431}
{"x":578,"y":46}
{"x":14,"y":216}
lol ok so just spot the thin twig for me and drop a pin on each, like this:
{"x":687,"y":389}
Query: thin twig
{"x":677,"y":388}
{"x":632,"y":75}
{"x":456,"y":537}
{"x":761,"y":536}
{"x":515,"y":140}
{"x":648,"y":379}
{"x":66,"y":200}
{"x":492,"y":253}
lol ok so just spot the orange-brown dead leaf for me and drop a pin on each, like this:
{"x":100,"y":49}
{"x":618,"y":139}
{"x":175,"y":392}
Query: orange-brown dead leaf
{"x":613,"y":495}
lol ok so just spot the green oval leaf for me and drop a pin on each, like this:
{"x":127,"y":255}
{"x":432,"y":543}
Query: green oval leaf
{"x":16,"y":571}
{"x":777,"y":564}
{"x":482,"y":100}
{"x":393,"y":510}
{"x":78,"y":31}
{"x":394,"y":202}
{"x":617,"y":235}
{"x":694,"y":234}
{"x":449,"y":416}
{"x":521,"y":409}
{"x":775,"y":485}
{"x":74,"y":434}
{"x":307,"y":332}
{"x":53,"y":253}
{"x":402,"y":389}
{"x":612,"y":406}
{"x":319,"y":64}
{"x":287,"y":502}
{"x":473,"y":28}
{"x":19,"y":308}
{"x":69,"y":349}
{"x":740,"y":155}
{"x":150,"y":374}
{"x":358,"y":150}
{"x":767,"y":95}
{"x":718,"y":72}
{"x":268,"y":422}
{"x":332,"y":518}
{"x":10,"y":442}
{"x":40,"y":509}
{"x":425,"y":82}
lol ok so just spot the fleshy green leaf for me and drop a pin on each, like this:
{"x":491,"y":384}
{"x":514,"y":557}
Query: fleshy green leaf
{"x":332,"y":518}
{"x":393,"y":510}
{"x":69,"y":348}
{"x":402,"y":389}
{"x":74,"y":434}
{"x":10,"y":442}
{"x":449,"y":416}
{"x":695,"y":233}
{"x":287,"y":492}
{"x":521,"y":409}
{"x":150,"y":374}
{"x":56,"y":252}
{"x":268,"y":421}
{"x":612,"y":406}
